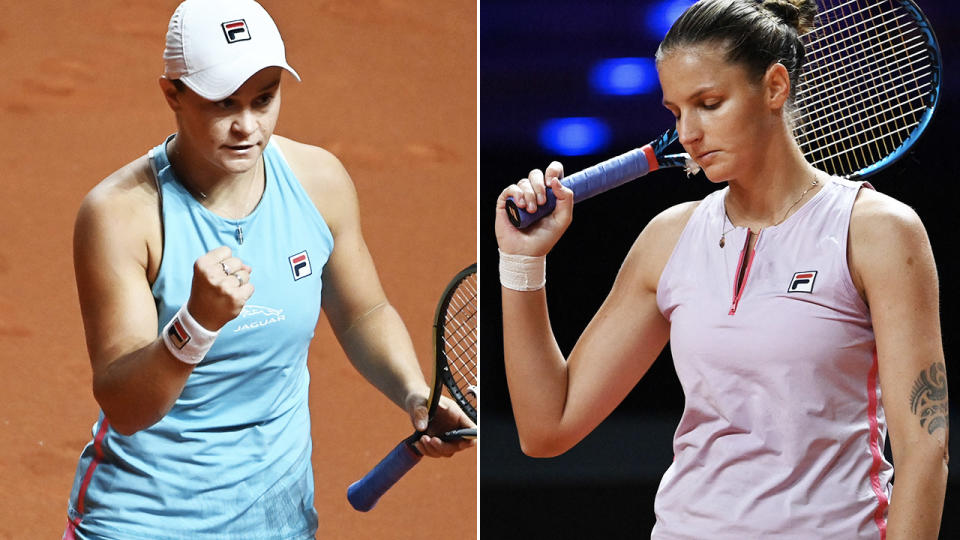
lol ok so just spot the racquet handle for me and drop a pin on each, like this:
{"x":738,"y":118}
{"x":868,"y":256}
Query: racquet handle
{"x":364,"y":493}
{"x":457,"y":434}
{"x":589,"y":182}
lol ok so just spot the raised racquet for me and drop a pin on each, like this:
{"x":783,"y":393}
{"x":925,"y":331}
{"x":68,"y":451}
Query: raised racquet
{"x":455,"y":342}
{"x":869,"y":87}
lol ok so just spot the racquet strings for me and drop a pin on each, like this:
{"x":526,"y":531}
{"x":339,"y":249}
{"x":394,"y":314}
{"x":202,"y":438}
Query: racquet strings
{"x":459,"y":341}
{"x":865,"y":86}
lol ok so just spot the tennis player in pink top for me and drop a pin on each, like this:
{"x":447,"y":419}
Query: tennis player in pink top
{"x":802,"y":312}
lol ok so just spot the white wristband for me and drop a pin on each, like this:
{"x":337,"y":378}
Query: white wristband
{"x":186,"y":339}
{"x":522,"y":272}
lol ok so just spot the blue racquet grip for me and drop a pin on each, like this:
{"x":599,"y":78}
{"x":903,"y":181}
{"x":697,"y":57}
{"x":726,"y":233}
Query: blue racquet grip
{"x":589,"y":182}
{"x":364,"y":493}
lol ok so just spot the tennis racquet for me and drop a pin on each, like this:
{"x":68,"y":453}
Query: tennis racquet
{"x":455,"y":342}
{"x":869,"y":87}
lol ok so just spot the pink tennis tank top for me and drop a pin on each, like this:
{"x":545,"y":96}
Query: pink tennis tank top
{"x":783,"y":430}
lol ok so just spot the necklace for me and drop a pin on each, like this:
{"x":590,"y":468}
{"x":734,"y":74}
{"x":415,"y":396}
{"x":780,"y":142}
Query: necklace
{"x":202,"y":197}
{"x":723,"y":233}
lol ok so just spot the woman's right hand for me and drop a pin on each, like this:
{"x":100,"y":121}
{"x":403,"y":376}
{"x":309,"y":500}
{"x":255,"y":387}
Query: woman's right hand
{"x":221,"y":287}
{"x":528,"y":194}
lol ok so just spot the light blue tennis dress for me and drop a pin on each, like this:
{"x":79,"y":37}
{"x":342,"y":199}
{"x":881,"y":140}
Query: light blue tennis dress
{"x":232,"y":458}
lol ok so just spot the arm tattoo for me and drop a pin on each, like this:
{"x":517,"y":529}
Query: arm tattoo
{"x":929,"y":398}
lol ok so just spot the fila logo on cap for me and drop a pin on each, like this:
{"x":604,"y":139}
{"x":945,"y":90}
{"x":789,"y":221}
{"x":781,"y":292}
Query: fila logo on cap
{"x":178,"y":334}
{"x":300,"y":264}
{"x":235,"y":31}
{"x":803,"y":282}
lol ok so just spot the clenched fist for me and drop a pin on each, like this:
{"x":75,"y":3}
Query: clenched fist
{"x":221,"y":286}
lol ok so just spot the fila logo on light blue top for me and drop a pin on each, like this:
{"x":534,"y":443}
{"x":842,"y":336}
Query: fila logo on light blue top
{"x":235,"y":31}
{"x":803,"y":282}
{"x":300,"y":265}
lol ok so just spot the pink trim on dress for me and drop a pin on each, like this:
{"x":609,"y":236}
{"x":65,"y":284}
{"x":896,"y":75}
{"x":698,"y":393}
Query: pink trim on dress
{"x":876,"y":451}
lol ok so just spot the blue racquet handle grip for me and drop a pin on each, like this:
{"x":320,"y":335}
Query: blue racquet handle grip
{"x":589,"y":182}
{"x":364,"y":493}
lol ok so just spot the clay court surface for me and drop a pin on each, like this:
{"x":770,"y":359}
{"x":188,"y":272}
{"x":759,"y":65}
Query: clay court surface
{"x":388,"y":85}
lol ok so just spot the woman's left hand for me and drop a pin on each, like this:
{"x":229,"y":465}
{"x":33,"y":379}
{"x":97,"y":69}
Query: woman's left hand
{"x":447,"y":417}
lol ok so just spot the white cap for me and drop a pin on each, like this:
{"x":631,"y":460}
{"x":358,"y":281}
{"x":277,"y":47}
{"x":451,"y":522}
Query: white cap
{"x":214,"y":46}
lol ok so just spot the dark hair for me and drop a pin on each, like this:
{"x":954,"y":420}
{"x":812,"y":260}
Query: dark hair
{"x":756,"y":33}
{"x":178,"y":84}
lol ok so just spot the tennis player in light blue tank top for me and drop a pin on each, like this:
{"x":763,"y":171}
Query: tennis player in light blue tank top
{"x":200,"y":269}
{"x":232,"y":457}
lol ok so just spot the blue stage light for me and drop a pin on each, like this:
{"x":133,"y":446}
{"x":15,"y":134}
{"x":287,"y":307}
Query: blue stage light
{"x":661,"y":15}
{"x":624,"y":76}
{"x":575,"y":136}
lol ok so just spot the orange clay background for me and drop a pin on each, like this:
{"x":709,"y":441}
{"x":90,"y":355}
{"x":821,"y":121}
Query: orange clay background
{"x":388,"y":85}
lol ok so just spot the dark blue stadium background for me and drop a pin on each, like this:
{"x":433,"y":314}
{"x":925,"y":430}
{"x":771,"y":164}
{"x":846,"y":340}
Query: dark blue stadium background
{"x":536,"y":57}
